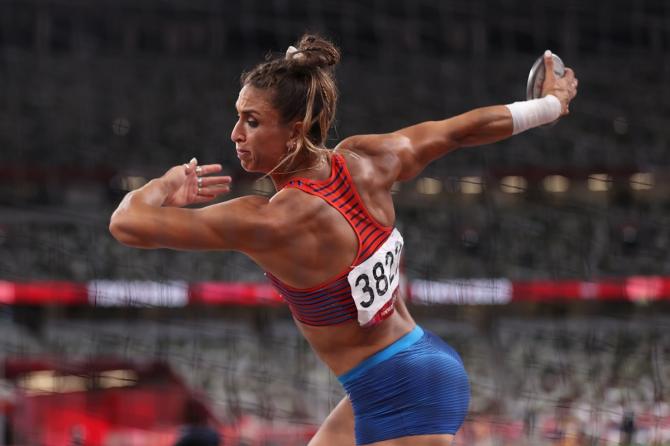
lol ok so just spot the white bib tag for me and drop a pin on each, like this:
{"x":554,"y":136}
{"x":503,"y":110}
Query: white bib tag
{"x":374,"y":281}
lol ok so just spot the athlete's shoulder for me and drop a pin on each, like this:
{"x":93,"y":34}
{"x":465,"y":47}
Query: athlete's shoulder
{"x":374,"y":156}
{"x":373,"y":144}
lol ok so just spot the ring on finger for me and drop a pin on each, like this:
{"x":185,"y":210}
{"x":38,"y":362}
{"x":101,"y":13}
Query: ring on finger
{"x":198,"y":170}
{"x":199,"y":182}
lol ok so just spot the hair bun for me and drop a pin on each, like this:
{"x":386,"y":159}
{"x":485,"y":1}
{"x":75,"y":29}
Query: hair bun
{"x":313,"y":51}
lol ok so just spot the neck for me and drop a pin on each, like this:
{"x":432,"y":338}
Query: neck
{"x":305,"y":166}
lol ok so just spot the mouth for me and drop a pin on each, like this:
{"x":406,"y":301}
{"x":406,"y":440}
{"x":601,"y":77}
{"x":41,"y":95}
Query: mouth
{"x":242,"y":152}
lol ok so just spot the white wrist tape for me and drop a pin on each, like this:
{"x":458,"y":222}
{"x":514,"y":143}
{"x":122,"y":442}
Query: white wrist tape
{"x":529,"y":114}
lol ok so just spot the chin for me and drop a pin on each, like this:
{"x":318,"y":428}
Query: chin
{"x":247,"y":165}
{"x":252,"y":168}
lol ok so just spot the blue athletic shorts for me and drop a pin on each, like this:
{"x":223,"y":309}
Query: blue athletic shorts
{"x":415,"y":386}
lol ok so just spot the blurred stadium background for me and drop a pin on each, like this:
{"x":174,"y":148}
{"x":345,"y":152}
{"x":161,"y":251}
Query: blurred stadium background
{"x":542,"y":259}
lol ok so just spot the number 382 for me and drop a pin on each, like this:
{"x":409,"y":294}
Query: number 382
{"x":383,"y":275}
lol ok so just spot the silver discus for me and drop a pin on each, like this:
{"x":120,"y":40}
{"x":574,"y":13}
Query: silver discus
{"x":536,"y":76}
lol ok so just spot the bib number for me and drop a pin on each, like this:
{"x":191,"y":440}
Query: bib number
{"x":374,"y":281}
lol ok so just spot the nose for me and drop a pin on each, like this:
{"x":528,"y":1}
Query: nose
{"x":237,"y":135}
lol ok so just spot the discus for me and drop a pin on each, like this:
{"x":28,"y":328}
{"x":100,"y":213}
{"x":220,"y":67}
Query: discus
{"x":536,"y":76}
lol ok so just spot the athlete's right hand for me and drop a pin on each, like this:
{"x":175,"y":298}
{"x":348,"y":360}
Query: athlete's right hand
{"x":564,"y":88}
{"x":182,"y":188}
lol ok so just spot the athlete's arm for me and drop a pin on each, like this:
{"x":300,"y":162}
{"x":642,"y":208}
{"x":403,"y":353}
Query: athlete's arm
{"x":402,"y":155}
{"x":149,"y":217}
{"x":420,"y":144}
{"x":406,"y":152}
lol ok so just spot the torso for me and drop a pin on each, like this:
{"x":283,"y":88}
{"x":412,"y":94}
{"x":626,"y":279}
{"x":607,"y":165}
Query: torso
{"x":322,"y":245}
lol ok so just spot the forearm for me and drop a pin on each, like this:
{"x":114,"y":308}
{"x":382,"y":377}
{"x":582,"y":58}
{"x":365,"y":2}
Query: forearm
{"x":133,"y":210}
{"x":488,"y":125}
{"x":481,"y":126}
{"x":154,"y":193}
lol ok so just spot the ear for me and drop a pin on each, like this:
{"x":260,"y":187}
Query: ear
{"x":296,"y":130}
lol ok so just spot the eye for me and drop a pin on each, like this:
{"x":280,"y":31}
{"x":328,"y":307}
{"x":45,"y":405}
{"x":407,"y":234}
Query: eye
{"x":252,"y":123}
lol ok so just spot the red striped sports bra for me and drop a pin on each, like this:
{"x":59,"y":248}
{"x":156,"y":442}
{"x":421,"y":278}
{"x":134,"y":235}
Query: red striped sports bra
{"x":369,"y":294}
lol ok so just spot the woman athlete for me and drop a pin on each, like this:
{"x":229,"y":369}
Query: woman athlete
{"x":326,"y":238}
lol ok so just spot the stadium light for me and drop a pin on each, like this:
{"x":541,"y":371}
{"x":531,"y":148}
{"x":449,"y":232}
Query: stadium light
{"x":599,"y":182}
{"x":117,"y":378}
{"x":471,"y":185}
{"x":556,"y":183}
{"x":513,"y":184}
{"x":428,"y":186}
{"x":48,"y":381}
{"x":642,"y":181}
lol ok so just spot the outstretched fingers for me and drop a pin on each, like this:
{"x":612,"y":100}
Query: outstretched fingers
{"x":211,"y":187}
{"x":208,"y":169}
{"x":200,"y":170}
{"x":215,"y":184}
{"x":206,"y":187}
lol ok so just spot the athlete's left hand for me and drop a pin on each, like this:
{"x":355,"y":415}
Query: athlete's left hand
{"x":191,"y":184}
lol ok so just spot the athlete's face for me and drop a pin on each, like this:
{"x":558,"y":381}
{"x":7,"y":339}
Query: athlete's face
{"x":259,"y":135}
